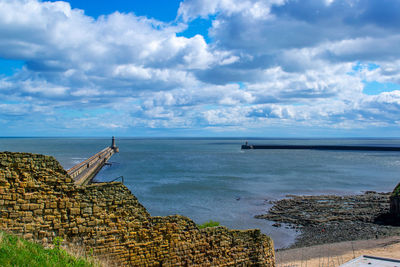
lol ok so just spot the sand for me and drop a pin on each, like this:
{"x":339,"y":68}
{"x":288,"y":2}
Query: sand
{"x":335,"y":254}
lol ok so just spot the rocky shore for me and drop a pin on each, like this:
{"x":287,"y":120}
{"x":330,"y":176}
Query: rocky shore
{"x":330,"y":218}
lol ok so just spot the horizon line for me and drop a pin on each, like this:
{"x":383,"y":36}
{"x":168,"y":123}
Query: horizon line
{"x":205,"y":137}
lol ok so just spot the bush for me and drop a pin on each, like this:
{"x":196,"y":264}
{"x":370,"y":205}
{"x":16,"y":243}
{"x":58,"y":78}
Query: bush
{"x":210,"y":223}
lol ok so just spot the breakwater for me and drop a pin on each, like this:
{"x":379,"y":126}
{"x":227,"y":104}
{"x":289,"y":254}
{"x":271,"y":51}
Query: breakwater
{"x":84,"y":172}
{"x":40,"y":201}
{"x":323,"y":147}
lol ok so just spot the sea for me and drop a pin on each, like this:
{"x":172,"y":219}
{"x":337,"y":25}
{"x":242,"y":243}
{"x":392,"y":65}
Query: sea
{"x":213,"y":179}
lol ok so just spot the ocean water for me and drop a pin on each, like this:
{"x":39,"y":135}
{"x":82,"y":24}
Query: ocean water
{"x":214,"y":179}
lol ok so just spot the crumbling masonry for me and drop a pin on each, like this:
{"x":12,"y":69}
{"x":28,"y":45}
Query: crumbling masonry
{"x":39,"y":201}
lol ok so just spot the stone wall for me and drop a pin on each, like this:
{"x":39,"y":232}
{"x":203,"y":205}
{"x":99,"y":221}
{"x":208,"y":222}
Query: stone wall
{"x":39,"y":201}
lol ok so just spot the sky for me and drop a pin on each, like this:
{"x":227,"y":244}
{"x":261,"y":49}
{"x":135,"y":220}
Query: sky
{"x":201,"y":68}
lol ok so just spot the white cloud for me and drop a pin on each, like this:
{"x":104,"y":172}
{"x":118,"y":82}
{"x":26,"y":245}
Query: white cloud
{"x":270,"y":62}
{"x":14,"y":109}
{"x":190,"y":9}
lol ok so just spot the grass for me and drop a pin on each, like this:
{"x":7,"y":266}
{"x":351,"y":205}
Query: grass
{"x":210,"y":223}
{"x":15,"y":251}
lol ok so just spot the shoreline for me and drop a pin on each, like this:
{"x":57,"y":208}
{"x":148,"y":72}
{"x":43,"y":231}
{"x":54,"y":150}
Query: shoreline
{"x":327,"y":219}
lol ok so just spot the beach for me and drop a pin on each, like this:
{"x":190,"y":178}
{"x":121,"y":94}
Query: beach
{"x":335,"y":254}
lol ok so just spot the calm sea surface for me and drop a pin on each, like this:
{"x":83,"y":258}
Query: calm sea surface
{"x":213,"y":179}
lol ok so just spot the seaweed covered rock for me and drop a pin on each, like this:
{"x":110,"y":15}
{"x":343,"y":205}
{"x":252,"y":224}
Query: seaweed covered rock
{"x":395,"y":202}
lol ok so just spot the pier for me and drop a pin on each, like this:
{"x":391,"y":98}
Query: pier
{"x":323,"y":147}
{"x":85,"y":171}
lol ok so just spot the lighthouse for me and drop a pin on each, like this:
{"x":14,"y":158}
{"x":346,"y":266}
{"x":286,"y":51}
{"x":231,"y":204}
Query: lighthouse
{"x":113,"y":146}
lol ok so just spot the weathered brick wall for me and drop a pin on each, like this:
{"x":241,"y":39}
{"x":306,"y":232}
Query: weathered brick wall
{"x":40,"y":201}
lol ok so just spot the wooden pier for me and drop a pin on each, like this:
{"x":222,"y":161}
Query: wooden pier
{"x":85,"y":171}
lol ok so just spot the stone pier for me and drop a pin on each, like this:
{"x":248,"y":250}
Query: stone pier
{"x":85,"y":171}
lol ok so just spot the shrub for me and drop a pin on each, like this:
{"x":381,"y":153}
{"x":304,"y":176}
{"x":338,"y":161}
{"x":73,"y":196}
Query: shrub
{"x":210,"y":223}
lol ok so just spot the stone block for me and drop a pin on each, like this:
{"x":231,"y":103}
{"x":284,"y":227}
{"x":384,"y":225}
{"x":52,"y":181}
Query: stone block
{"x":38,"y":212}
{"x":34,"y":206}
{"x":87,"y":211}
{"x":96,"y":209}
{"x":27,"y":219}
{"x":61,"y":205}
{"x":49,"y":218}
{"x":28,"y":236}
{"x":48,"y":211}
{"x":80,"y":221}
{"x":74,"y":211}
{"x":30,"y":184}
{"x":29,"y":227}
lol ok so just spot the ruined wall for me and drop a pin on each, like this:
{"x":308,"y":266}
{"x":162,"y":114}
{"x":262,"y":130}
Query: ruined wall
{"x":40,"y":201}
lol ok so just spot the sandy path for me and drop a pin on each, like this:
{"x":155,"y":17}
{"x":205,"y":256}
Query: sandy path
{"x":338,"y":253}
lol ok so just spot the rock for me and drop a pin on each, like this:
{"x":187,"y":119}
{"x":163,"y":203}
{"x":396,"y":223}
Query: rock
{"x":329,"y":218}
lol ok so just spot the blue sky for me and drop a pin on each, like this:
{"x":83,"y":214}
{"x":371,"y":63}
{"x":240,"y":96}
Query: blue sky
{"x":266,"y":68}
{"x":158,"y":9}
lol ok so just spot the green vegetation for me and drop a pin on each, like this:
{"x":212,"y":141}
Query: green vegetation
{"x":210,"y":223}
{"x":15,"y":251}
{"x":396,"y":191}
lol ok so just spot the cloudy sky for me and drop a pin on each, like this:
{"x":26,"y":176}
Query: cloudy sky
{"x":268,"y":68}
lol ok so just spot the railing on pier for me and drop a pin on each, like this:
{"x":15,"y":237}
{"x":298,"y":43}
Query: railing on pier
{"x":112,"y":180}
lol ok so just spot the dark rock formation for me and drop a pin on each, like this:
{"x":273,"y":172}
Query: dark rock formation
{"x":395,"y":204}
{"x":326,"y":219}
